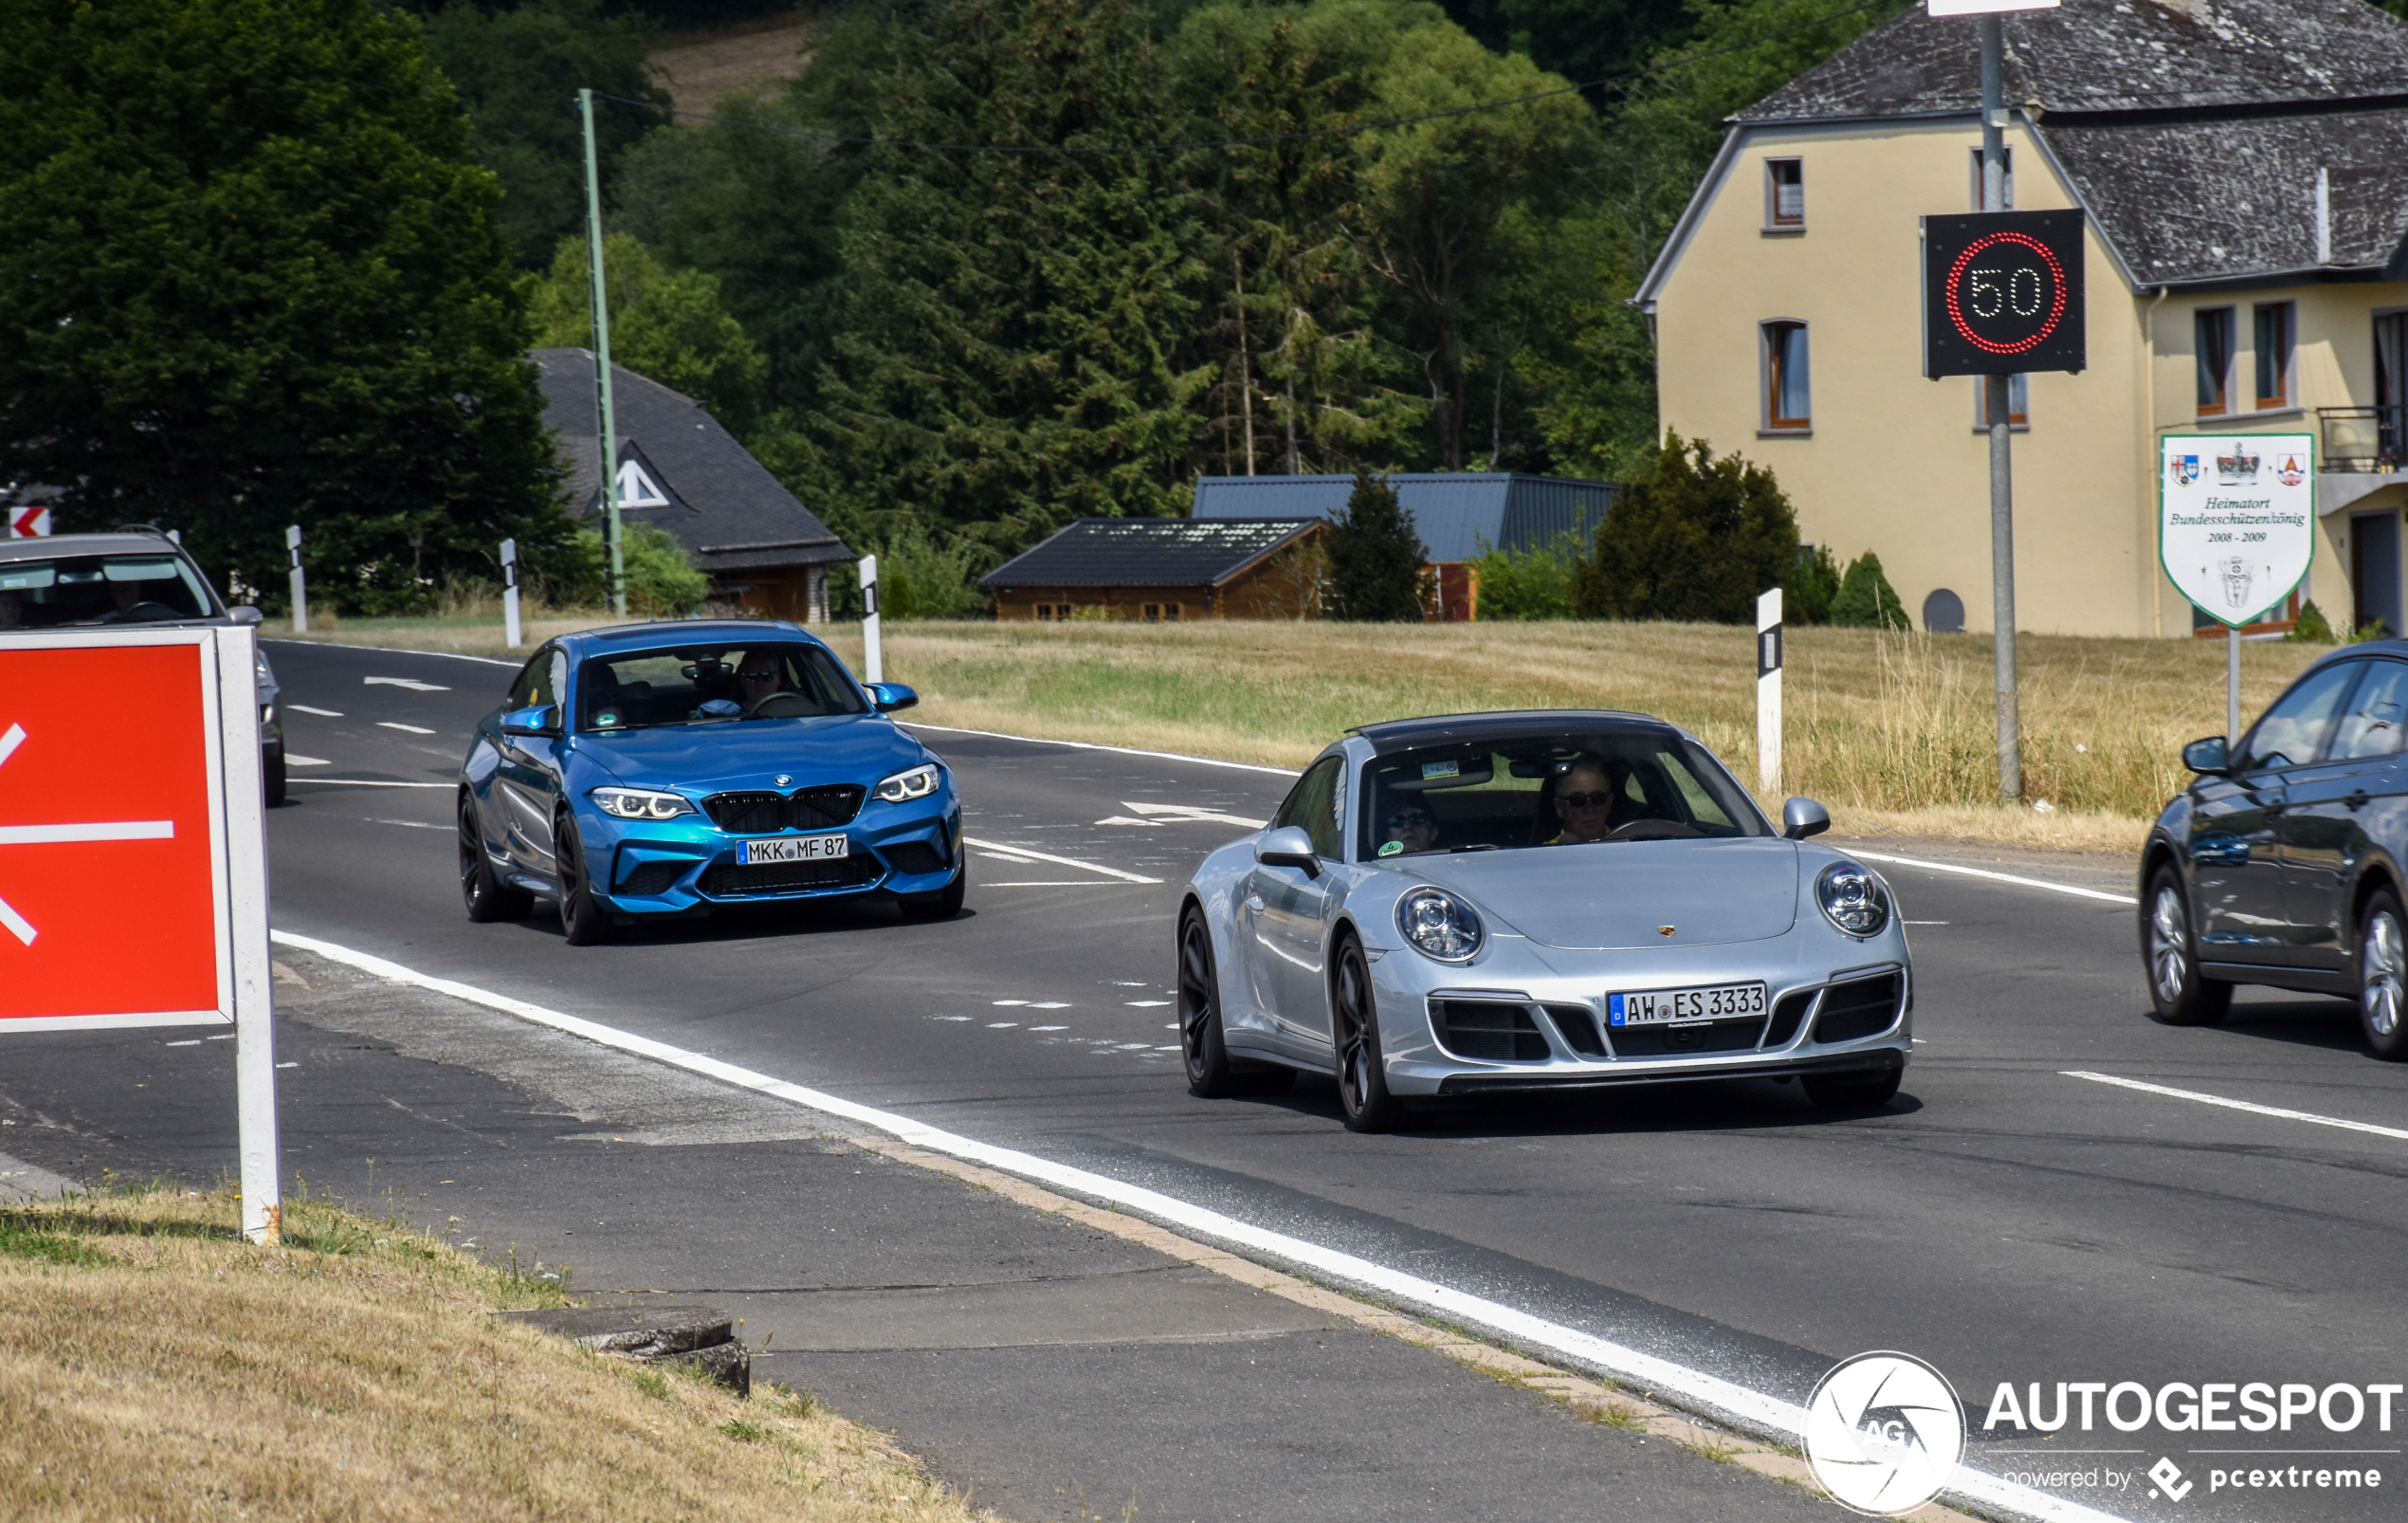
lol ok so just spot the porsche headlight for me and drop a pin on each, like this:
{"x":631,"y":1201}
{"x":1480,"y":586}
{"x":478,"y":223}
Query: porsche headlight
{"x":1853,"y":899}
{"x":905,"y":786}
{"x":1440,"y":926}
{"x":640,"y":803}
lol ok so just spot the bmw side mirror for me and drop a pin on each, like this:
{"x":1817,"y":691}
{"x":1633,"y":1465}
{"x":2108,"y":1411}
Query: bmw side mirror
{"x":544,"y":719}
{"x":244,"y":613}
{"x":890,"y":696}
{"x":2208,"y":756}
{"x":1801,"y":817}
{"x":1288,"y":847}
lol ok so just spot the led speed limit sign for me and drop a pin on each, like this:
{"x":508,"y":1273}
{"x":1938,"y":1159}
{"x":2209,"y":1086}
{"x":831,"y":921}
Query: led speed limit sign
{"x":2002,"y":293}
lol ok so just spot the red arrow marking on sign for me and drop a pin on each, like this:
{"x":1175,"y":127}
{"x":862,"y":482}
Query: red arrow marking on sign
{"x":122,"y":829}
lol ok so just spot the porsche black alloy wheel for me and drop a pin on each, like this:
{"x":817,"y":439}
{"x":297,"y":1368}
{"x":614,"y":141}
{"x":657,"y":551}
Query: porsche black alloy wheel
{"x":581,"y":916}
{"x":2383,"y":967}
{"x":488,"y":897}
{"x":1853,"y":1092}
{"x":2182,"y":997}
{"x":272,"y":776}
{"x":942,"y":904}
{"x":1362,"y":1079}
{"x":1209,"y":1072}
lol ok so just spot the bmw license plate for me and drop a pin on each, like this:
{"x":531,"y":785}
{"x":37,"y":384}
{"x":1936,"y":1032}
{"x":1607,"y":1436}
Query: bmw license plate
{"x":791,"y":848}
{"x":1709,"y":1001}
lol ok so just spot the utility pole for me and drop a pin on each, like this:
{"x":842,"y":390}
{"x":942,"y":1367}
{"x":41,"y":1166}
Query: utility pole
{"x":606,"y":440}
{"x":1994,"y":198}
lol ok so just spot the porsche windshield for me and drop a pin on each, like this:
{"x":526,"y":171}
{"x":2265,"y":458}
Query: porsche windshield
{"x":704,"y":684}
{"x":1550,"y":790}
{"x":136,"y":589}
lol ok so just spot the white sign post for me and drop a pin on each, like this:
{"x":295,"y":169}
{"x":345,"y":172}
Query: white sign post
{"x":872,"y":660}
{"x":510,"y":592}
{"x":1768,"y":691}
{"x":166,"y":794}
{"x":2236,"y":530}
{"x":300,"y":588}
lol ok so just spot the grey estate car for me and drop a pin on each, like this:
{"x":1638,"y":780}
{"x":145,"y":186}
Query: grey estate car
{"x":2281,"y":864}
{"x":134,"y":577}
{"x":1421,"y":918}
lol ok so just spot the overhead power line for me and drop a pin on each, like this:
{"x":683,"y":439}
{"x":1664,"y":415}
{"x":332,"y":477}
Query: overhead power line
{"x":823,"y":135}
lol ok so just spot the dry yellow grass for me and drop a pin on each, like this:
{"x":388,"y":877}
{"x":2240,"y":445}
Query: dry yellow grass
{"x":1897,"y":734}
{"x":155,"y":1365}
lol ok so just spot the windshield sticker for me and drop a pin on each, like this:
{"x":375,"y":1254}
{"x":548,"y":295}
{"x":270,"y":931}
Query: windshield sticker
{"x":1442,"y":769}
{"x":1390,"y":848}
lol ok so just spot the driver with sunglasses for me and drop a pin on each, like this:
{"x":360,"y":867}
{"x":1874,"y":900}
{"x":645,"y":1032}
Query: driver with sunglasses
{"x":1583,"y":802}
{"x":1411,"y":827}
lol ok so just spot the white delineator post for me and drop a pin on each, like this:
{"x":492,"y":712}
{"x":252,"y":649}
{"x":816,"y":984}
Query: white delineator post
{"x":245,"y":869}
{"x":1768,"y":691}
{"x":300,"y":589}
{"x":872,"y":660}
{"x":510,"y":593}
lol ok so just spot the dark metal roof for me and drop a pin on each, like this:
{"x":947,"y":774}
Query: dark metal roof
{"x":726,"y":508}
{"x":1149,"y":552}
{"x":1460,"y":515}
{"x":2110,"y":55}
{"x":1393,"y":735}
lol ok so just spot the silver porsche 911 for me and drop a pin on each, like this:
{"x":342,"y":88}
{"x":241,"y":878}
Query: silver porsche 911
{"x":1526,"y":901}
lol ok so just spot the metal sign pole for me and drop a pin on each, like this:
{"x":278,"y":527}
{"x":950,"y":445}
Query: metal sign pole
{"x":606,"y":440}
{"x":2232,"y":686}
{"x":1768,"y":691}
{"x":300,"y":588}
{"x":1996,"y":399}
{"x":872,"y":659}
{"x":510,"y":592}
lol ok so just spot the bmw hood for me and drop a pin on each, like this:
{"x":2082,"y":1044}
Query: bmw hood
{"x":1621,"y":894}
{"x":750,"y":753}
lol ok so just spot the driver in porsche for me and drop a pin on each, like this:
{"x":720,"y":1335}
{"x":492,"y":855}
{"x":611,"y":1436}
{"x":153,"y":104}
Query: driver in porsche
{"x":1583,"y":802}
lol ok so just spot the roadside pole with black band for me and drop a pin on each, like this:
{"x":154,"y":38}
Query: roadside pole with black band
{"x":510,"y":592}
{"x":300,"y":588}
{"x":1768,"y":692}
{"x":873,"y":662}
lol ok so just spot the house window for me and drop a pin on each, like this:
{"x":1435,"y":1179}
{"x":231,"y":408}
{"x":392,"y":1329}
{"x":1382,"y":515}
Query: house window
{"x":2007,"y":164}
{"x":1787,"y":395}
{"x":1162,"y":613}
{"x":1784,"y":193}
{"x":2211,"y":333}
{"x":2274,"y":327}
{"x":1054,"y":611}
{"x":2018,"y":405}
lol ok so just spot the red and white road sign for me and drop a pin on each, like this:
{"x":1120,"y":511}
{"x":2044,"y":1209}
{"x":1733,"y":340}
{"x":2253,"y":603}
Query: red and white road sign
{"x":28,"y":522}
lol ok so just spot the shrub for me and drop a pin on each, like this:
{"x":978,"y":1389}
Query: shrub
{"x":1812,"y":585}
{"x":1694,"y":538}
{"x":1866,"y":600}
{"x":1376,"y":558}
{"x":662,"y":580}
{"x":2311,"y":627}
{"x":1526,"y":584}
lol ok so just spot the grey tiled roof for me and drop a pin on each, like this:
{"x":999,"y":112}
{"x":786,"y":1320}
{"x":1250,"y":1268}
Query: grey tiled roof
{"x":727,"y":508}
{"x":2191,"y":131}
{"x":1147,"y":552}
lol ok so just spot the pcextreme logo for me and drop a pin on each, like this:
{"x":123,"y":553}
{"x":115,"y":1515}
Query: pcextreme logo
{"x":1884,"y":1433}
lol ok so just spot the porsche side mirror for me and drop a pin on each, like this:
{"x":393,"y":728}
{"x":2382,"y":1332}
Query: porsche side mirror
{"x":1801,"y":817}
{"x":2209,"y":756}
{"x":890,"y":696}
{"x":1288,"y":847}
{"x":244,"y":613}
{"x":544,"y":719}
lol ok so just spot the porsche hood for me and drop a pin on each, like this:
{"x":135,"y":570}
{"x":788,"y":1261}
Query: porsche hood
{"x":1623,"y":894}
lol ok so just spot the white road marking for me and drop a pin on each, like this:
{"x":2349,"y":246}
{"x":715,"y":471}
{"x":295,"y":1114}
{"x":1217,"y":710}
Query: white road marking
{"x":398,"y":650}
{"x":1173,"y":1048}
{"x":1013,"y":858}
{"x":414,"y":824}
{"x":1060,"y":861}
{"x":321,"y":713}
{"x":1001,"y":1025}
{"x":1090,"y":745}
{"x":1145,"y":1004}
{"x":1923,"y":922}
{"x":411,"y":683}
{"x":194,"y":1041}
{"x":953,"y":1018}
{"x":1694,"y":1388}
{"x":288,"y":1065}
{"x":1051,"y":1004}
{"x":407,"y":729}
{"x":1124,"y":819}
{"x":2277,"y":1112}
{"x":1134,"y":1046}
{"x":1049,"y":883}
{"x":365,"y":783}
{"x":1008,"y":1002}
{"x":1178,"y":812}
{"x":1049,"y":1028}
{"x":292,"y":761}
{"x":2001,"y":877}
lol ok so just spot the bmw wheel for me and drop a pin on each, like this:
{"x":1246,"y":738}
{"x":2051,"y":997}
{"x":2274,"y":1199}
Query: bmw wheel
{"x":942,"y":904}
{"x":1210,"y":1075}
{"x":582,"y":916}
{"x":2382,"y":970}
{"x":485,"y":895}
{"x":2183,"y":995}
{"x":1362,"y":1078}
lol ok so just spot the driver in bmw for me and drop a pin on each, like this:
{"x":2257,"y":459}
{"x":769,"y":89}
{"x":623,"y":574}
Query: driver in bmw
{"x":1583,"y":802}
{"x":760,"y":677}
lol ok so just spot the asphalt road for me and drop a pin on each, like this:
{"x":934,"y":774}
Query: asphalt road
{"x":2002,"y":1219}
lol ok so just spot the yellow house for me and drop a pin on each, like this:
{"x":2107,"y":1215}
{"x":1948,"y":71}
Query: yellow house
{"x":2243,"y":169}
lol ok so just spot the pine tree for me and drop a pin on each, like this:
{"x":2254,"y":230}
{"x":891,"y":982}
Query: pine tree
{"x":1696,"y":537}
{"x":1376,"y":558}
{"x":1866,"y":600}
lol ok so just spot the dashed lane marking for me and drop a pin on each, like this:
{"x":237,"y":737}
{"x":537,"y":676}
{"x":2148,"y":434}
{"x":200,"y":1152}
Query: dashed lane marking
{"x":406,"y":730}
{"x":292,"y":761}
{"x":1061,"y":861}
{"x":2279,"y":1112}
{"x":1051,"y":883}
{"x":321,"y":713}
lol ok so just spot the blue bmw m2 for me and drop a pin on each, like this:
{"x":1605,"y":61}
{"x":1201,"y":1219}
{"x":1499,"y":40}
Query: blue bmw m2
{"x":660,"y":770}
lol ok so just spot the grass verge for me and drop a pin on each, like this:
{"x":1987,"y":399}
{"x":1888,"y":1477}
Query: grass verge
{"x":1896,"y":733}
{"x":153,"y":1364}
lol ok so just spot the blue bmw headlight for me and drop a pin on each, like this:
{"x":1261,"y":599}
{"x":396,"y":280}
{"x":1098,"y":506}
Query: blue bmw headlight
{"x":640,"y":803}
{"x":1440,"y":926}
{"x":1853,"y":899}
{"x":905,"y":786}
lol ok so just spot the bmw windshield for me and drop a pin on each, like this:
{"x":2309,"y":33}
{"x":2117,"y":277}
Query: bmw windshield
{"x":132,"y":588}
{"x":1550,"y":790}
{"x":711,"y":684}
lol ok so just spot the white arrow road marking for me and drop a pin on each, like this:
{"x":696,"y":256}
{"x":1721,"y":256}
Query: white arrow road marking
{"x":1180,"y":812}
{"x":122,"y":830}
{"x":1125,"y":820}
{"x":411,"y":683}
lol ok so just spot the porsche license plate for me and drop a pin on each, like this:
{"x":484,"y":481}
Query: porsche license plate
{"x":791,"y":848}
{"x":1705,"y":1003}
